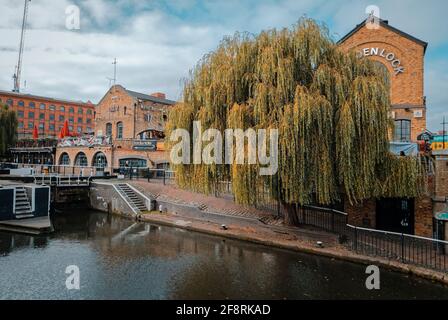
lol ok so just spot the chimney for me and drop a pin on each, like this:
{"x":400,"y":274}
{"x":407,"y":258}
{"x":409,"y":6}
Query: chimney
{"x":159,"y":95}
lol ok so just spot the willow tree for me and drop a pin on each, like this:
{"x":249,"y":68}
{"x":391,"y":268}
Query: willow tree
{"x":8,"y":129}
{"x":331,"y":110}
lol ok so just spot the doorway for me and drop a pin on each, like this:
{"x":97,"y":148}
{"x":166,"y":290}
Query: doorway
{"x":395,"y":215}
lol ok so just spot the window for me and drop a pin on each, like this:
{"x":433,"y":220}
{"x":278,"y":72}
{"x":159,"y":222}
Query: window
{"x":71,"y":120}
{"x":70,"y":128}
{"x":30,"y":125}
{"x":382,"y":69}
{"x":52,"y":107}
{"x":31,"y":115}
{"x":89,"y":121}
{"x":120,"y":130}
{"x":31,"y":105}
{"x":41,"y":126}
{"x":80,"y":111}
{"x":64,"y":159}
{"x":51,"y":127}
{"x":108,"y":129}
{"x":79,"y":129}
{"x":99,"y":160}
{"x":71,"y":110}
{"x":61,"y":118}
{"x":124,"y":110}
{"x":51,"y":117}
{"x":81,"y":160}
{"x":42,"y":106}
{"x":402,"y":130}
{"x":9,"y":102}
{"x":21,"y":103}
{"x":148,"y":117}
{"x":89,"y":111}
{"x":79,"y":120}
{"x":89,"y":129}
{"x":42,"y":116}
{"x":62,"y":108}
{"x":20,"y":125}
{"x":165,"y":117}
{"x":20,"y":114}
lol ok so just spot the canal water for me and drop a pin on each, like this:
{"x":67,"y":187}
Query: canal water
{"x":120,"y":259}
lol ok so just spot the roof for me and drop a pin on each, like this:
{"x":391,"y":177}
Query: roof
{"x":32,"y":96}
{"x":385,"y":24}
{"x":147,"y":97}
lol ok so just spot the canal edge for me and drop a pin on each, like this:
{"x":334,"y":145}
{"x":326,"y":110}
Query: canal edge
{"x":359,"y":259}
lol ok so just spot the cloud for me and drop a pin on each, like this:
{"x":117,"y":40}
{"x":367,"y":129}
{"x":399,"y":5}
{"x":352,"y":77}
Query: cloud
{"x":157,"y":42}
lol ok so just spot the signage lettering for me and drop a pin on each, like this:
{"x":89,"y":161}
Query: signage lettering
{"x":388,"y":56}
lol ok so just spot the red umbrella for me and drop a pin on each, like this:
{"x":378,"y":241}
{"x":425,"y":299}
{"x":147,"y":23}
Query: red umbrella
{"x":61,"y":133}
{"x":35,"y":133}
{"x":65,"y":129}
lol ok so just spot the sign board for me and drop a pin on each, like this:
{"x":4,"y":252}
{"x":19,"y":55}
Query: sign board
{"x":390,"y":57}
{"x":418,"y":113}
{"x":443,"y":216}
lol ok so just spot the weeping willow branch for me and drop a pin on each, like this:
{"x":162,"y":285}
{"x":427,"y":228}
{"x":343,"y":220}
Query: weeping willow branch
{"x":331,"y":110}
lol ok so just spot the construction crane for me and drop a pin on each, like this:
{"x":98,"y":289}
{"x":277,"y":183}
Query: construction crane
{"x":18,"y":68}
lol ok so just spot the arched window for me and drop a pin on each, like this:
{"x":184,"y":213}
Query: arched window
{"x":21,"y":103}
{"x":62,"y":108}
{"x":32,"y":104}
{"x":42,"y":106}
{"x":384,"y":72}
{"x":109,"y":129}
{"x":81,"y":160}
{"x":9,"y":102}
{"x":99,"y":160}
{"x":120,"y":130}
{"x":64,"y":159}
{"x":402,"y":130}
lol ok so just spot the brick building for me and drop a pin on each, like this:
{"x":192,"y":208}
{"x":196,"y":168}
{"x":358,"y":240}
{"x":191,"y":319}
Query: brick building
{"x":128,"y":129}
{"x":402,"y":55}
{"x":48,"y":116}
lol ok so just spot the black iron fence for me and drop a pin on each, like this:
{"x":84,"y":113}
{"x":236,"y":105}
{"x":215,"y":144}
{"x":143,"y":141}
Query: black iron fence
{"x":405,"y":248}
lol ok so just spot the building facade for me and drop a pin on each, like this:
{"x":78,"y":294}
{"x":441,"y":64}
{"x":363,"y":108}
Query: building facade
{"x":402,"y":55}
{"x":129,"y":130}
{"x":48,"y":114}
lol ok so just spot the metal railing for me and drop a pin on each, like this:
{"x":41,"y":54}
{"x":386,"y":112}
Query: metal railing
{"x":405,"y":248}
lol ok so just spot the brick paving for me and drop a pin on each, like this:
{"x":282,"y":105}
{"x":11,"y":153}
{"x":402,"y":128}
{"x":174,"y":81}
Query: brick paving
{"x":209,"y":204}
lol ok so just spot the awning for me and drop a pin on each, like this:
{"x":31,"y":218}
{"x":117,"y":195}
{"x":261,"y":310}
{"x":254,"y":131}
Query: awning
{"x":409,"y":148}
{"x":442,"y":216}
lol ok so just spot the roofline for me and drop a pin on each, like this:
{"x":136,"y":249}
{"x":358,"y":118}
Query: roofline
{"x":385,"y":24}
{"x":129,"y":92}
{"x":151,"y":98}
{"x":26,"y":95}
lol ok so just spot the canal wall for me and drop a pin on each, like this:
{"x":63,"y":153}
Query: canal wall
{"x":104,"y":197}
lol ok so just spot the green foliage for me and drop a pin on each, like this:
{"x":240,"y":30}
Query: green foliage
{"x":331,"y":109}
{"x":8,"y":129}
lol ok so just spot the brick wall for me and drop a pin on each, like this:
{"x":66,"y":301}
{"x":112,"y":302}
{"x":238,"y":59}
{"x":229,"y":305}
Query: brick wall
{"x":423,"y":215}
{"x":136,"y":115}
{"x":362,"y":214}
{"x":407,"y":88}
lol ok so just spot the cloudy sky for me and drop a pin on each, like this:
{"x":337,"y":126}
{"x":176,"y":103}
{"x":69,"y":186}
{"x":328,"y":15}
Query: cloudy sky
{"x":157,"y":42}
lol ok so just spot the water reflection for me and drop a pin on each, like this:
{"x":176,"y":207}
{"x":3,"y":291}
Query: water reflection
{"x":121,"y":259}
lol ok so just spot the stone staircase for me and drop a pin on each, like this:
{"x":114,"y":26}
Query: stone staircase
{"x":131,"y":197}
{"x":23,"y":206}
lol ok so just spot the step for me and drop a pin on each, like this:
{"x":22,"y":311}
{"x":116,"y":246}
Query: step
{"x":24,"y":216}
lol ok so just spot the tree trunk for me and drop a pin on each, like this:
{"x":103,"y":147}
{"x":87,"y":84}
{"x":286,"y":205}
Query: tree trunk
{"x":291,"y":214}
